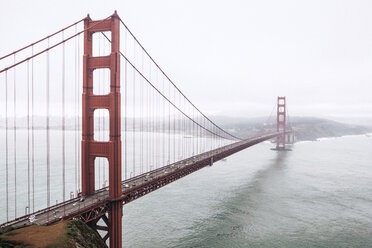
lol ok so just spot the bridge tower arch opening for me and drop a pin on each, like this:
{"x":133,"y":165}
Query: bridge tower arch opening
{"x":111,"y":149}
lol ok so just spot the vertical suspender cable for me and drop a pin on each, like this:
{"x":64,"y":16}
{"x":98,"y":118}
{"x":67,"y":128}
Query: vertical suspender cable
{"x":76,"y":90}
{"x":141,"y":116}
{"x":197,"y":134}
{"x":63,"y":123}
{"x":174,"y":127}
{"x":180,"y":150}
{"x":79,"y":133}
{"x":169,"y":110}
{"x":156,"y":154}
{"x":47,"y":128}
{"x":182,"y":120}
{"x":6,"y":146}
{"x":148,"y":128}
{"x":104,"y":128}
{"x":105,"y":85}
{"x":28,"y":137}
{"x":32,"y":134}
{"x":100,"y":136}
{"x":153,"y":119}
{"x":152,"y":100}
{"x":126,"y":109}
{"x":15,"y":142}
{"x":200,"y":136}
{"x":182,"y":131}
{"x":103,"y":165}
{"x":212,"y":137}
{"x":193,"y":132}
{"x":186,"y":149}
{"x":150,"y":120}
{"x":163,"y":131}
{"x":134,"y":112}
{"x":149,"y":112}
{"x":204,"y":135}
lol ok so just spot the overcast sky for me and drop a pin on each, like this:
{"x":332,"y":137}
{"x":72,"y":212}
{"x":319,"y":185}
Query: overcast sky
{"x":234,"y":57}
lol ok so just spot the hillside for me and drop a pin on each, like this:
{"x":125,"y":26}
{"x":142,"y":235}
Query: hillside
{"x":306,"y":128}
{"x":60,"y":235}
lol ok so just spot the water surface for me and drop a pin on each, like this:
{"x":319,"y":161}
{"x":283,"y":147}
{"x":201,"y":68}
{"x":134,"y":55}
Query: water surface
{"x":317,"y":195}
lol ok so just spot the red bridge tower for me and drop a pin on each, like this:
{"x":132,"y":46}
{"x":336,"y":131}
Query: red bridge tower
{"x":92,"y":149}
{"x":281,"y":123}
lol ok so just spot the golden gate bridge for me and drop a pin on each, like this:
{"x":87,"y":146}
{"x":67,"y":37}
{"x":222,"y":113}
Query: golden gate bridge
{"x":69,"y":99}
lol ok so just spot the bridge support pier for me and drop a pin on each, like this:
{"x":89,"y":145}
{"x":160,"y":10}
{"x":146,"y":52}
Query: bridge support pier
{"x":94,"y":225}
{"x":115,"y":222}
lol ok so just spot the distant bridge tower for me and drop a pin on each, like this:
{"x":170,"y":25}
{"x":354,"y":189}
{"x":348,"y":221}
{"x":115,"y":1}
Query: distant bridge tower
{"x":91,"y":149}
{"x":281,"y":123}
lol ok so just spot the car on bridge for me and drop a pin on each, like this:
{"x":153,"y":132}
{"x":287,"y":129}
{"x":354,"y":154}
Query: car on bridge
{"x":32,"y":218}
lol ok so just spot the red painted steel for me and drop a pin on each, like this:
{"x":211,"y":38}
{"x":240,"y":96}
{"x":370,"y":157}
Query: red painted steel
{"x":281,"y":122}
{"x":111,"y":149}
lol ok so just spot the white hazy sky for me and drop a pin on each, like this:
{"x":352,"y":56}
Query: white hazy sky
{"x":234,"y":57}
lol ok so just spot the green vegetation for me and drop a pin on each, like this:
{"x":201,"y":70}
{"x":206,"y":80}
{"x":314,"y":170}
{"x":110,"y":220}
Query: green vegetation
{"x":81,"y":235}
{"x":74,"y":233}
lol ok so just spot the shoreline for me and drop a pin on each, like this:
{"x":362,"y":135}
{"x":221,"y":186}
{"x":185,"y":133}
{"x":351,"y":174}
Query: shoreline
{"x":368,"y":135}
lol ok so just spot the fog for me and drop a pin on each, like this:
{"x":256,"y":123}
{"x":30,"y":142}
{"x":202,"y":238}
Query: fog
{"x":235,"y":57}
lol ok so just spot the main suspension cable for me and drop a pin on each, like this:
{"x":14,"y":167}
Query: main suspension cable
{"x":134,"y":37}
{"x":51,"y":47}
{"x":46,"y":37}
{"x":166,"y":98}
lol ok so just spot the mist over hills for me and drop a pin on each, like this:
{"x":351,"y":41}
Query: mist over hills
{"x":305,"y":128}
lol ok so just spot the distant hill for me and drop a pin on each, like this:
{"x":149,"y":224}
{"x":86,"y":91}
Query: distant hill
{"x":306,"y":128}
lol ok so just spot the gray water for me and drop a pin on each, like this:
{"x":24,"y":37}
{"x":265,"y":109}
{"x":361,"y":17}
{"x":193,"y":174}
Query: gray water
{"x":317,"y":195}
{"x":144,"y":152}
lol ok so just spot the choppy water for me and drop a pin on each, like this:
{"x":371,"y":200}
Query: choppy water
{"x":145,"y":152}
{"x":317,"y":195}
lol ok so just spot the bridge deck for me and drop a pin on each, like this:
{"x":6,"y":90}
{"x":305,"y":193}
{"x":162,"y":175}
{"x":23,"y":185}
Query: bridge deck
{"x":96,"y":205}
